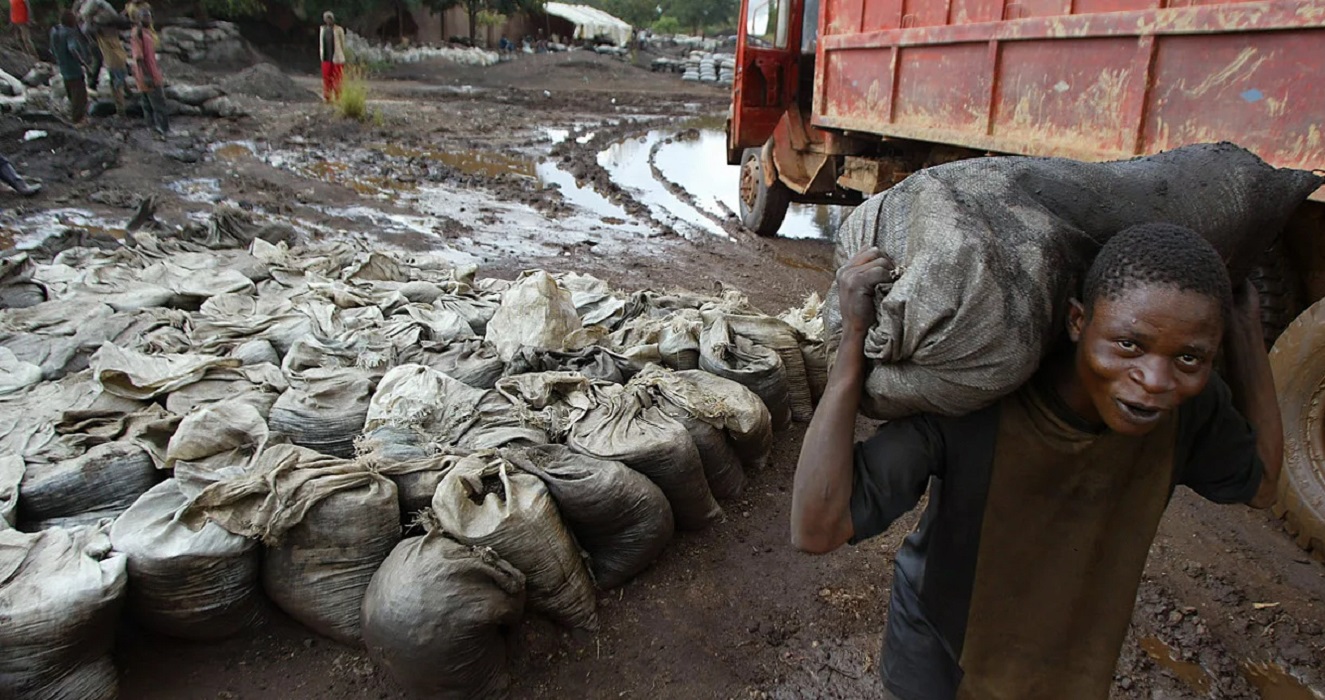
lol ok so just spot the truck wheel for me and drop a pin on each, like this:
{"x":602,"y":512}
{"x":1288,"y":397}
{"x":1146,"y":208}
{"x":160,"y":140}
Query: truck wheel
{"x":1298,"y":364}
{"x":762,"y":207}
{"x":1280,"y":301}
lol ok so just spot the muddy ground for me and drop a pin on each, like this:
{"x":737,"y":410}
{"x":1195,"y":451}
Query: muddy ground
{"x":464,"y":159}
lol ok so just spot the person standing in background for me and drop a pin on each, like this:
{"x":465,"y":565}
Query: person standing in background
{"x":103,"y":24}
{"x":331,"y":49}
{"x":90,"y":42}
{"x":151,"y":84}
{"x":18,"y":17}
{"x":71,"y":58}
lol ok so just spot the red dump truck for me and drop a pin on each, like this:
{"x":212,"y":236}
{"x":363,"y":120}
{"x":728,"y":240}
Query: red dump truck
{"x":837,"y":100}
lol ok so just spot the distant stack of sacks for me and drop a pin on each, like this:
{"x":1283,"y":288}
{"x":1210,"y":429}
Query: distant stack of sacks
{"x":692,"y":66}
{"x":726,"y":69}
{"x":472,"y":449}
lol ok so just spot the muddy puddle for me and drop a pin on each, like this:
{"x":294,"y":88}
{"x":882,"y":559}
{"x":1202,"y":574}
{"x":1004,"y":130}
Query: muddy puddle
{"x":1273,"y":682}
{"x":680,"y":176}
{"x":698,"y":167}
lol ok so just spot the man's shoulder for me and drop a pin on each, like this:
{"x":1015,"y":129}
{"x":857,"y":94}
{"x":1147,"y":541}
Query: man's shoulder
{"x":1215,"y":397}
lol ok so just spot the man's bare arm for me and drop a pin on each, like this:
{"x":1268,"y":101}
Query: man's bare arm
{"x":821,"y":497}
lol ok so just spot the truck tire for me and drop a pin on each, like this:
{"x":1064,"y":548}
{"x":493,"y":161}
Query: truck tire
{"x":1278,"y":287}
{"x":1298,"y":364}
{"x":762,"y":207}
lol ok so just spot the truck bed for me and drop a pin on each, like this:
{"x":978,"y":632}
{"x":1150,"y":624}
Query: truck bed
{"x":1086,"y":79}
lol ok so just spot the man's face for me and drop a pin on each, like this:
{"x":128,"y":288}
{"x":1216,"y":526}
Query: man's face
{"x":1141,"y":355}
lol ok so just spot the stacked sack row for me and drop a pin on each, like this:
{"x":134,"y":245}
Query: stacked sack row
{"x":197,"y":423}
{"x":709,"y":67}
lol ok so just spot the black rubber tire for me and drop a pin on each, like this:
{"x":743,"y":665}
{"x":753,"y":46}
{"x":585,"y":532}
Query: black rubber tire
{"x":1279,"y":288}
{"x":762,"y":207}
{"x":1298,"y":364}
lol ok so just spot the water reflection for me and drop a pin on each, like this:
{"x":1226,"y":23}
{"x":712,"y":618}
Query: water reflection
{"x":700,"y":166}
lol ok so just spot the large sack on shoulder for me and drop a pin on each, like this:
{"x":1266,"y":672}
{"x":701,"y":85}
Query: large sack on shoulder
{"x":328,"y":523}
{"x":534,"y":312}
{"x":436,"y":617}
{"x":618,"y":516}
{"x":990,"y":250}
{"x":625,"y":428}
{"x":183,"y":583}
{"x":760,"y":369}
{"x":60,"y":592}
{"x":484,"y":502}
{"x":721,"y":402}
{"x":324,"y":410}
{"x":102,"y":483}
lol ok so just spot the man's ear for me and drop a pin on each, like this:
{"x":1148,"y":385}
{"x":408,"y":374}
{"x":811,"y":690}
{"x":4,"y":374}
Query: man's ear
{"x":1076,"y":320}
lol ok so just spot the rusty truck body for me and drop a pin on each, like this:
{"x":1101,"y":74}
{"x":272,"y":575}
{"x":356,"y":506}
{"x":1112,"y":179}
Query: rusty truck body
{"x":837,"y":100}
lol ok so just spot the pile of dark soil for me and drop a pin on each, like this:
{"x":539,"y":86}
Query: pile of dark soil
{"x":177,"y":71}
{"x":63,"y":155}
{"x":267,"y":82}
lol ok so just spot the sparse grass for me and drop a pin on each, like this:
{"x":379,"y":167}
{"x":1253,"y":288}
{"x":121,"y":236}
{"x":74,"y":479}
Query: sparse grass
{"x":353,"y":100}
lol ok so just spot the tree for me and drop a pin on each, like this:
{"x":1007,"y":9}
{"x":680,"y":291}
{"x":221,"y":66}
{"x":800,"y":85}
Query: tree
{"x":699,"y":14}
{"x":473,"y":8}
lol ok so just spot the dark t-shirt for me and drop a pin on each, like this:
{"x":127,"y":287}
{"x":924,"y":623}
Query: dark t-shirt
{"x":1020,"y":579}
{"x":328,"y":44}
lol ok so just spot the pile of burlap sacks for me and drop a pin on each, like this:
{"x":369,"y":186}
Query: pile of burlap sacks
{"x":191,"y":423}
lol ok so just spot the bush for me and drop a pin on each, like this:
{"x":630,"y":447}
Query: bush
{"x":352,"y":103}
{"x":666,"y":25}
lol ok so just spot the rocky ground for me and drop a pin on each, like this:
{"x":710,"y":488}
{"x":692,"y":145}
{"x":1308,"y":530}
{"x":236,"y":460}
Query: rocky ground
{"x":582,"y":162}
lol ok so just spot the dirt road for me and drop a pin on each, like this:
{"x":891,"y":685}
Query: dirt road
{"x":579,"y":162}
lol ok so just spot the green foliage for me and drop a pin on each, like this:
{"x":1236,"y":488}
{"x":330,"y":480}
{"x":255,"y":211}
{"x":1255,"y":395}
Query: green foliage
{"x":352,"y":103}
{"x":640,"y":13}
{"x":700,"y":14}
{"x":490,"y":18}
{"x":234,"y":8}
{"x":666,"y":25}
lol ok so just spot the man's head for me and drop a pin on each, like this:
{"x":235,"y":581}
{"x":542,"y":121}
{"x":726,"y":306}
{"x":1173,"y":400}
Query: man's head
{"x":1148,"y":325}
{"x":68,"y":19}
{"x":328,"y":18}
